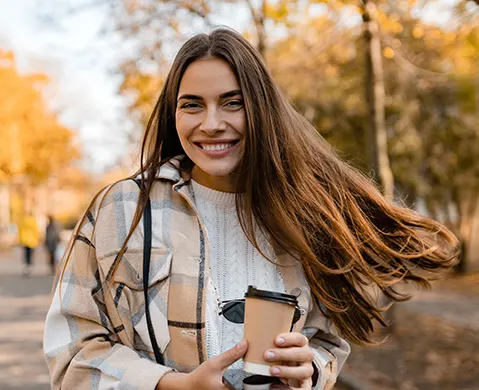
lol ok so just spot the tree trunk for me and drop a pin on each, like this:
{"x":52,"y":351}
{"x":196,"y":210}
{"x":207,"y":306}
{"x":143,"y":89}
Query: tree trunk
{"x":374,"y":88}
{"x":376,"y":134}
{"x":467,"y":212}
{"x":476,"y":88}
{"x":259,"y":16}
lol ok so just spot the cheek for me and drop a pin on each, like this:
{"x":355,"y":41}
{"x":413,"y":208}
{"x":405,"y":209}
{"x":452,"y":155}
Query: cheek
{"x":183,"y":128}
{"x":239,"y":123}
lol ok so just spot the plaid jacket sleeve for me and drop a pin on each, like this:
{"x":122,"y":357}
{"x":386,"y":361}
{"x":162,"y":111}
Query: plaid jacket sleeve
{"x":330,"y":350}
{"x":80,"y":346}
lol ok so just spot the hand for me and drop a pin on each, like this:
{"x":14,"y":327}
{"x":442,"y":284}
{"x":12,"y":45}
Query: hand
{"x":294,"y":358}
{"x":209,"y":375}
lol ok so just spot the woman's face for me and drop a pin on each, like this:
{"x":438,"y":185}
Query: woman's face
{"x":211,"y":122}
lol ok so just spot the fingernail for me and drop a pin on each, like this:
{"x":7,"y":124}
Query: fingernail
{"x":280,"y":340}
{"x":269,"y":355}
{"x":275,"y":370}
{"x":241,"y":344}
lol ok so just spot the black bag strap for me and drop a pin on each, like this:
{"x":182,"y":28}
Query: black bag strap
{"x":146,"y":275}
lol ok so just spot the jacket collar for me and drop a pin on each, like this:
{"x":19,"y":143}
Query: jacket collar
{"x":171,"y":171}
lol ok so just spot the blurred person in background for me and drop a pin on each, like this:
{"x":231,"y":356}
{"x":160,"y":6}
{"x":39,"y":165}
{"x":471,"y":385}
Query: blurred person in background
{"x":29,"y":238}
{"x":52,"y":239}
{"x":234,"y":188}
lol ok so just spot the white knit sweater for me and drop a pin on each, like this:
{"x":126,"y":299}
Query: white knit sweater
{"x":234,"y":264}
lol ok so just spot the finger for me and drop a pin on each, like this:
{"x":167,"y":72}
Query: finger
{"x":291,"y":354}
{"x":301,"y":373}
{"x":281,"y":386}
{"x":227,"y":358}
{"x":292,"y":339}
{"x":307,"y":384}
{"x":286,"y":387}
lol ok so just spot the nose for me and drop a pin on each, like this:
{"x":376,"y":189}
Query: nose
{"x":212,"y":122}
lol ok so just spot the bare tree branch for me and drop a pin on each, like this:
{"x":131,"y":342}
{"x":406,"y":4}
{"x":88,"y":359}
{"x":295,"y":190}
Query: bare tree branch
{"x":254,"y":13}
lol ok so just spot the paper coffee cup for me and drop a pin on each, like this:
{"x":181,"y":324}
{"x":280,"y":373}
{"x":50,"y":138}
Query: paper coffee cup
{"x":267,"y":314}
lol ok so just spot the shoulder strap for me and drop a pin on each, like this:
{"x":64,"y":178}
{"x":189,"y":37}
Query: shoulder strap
{"x":146,"y":275}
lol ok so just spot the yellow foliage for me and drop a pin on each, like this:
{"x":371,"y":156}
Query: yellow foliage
{"x":142,"y":88}
{"x":417,"y":32}
{"x":34,"y":143}
{"x":398,"y":28}
{"x":278,"y":11}
{"x":388,"y":52}
{"x":390,"y":23}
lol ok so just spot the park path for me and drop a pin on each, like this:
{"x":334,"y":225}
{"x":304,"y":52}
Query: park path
{"x":24,"y":304}
{"x":461,"y":310}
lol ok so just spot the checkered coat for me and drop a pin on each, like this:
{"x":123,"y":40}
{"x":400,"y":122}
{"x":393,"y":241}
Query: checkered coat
{"x":96,"y":336}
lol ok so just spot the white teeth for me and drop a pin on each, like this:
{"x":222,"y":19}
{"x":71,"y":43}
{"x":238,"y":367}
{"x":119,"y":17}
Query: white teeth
{"x":215,"y":147}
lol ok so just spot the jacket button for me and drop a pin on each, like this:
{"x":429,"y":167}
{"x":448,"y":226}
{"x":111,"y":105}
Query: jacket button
{"x":296,"y":292}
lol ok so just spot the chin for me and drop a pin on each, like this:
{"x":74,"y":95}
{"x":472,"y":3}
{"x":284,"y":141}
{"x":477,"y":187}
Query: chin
{"x":219,"y":173}
{"x":216,"y":169}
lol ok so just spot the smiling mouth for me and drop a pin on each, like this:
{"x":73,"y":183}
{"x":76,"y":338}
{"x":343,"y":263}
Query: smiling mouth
{"x":217,"y":146}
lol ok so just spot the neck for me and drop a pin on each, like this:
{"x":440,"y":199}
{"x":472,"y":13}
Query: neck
{"x":217,"y":183}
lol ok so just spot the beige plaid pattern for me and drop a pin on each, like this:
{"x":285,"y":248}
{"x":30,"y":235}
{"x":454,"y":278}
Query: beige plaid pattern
{"x":97,"y":337}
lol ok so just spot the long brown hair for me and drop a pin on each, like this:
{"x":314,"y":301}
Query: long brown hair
{"x":309,"y":202}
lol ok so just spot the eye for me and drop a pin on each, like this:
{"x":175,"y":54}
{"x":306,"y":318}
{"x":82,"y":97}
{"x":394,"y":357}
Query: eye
{"x":190,"y":106}
{"x":234,"y":104}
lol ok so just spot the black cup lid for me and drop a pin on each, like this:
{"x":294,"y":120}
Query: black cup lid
{"x":261,"y":380}
{"x":253,"y":292}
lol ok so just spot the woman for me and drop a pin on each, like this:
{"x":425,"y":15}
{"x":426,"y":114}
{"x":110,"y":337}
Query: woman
{"x":52,"y":239}
{"x":236,"y":188}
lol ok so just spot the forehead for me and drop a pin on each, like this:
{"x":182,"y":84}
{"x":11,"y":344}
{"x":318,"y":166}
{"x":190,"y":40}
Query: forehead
{"x":208,"y":77}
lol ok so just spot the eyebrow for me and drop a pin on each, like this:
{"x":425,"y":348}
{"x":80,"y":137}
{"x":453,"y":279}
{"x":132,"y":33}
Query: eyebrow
{"x":225,"y":95}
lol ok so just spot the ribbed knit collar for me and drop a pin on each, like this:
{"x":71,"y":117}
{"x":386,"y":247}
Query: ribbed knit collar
{"x":212,"y":196}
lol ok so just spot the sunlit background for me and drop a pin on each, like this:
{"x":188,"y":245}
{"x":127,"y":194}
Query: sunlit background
{"x":393,"y":85}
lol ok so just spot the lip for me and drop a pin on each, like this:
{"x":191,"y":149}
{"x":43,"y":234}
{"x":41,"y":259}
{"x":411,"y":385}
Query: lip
{"x":216,"y":141}
{"x":217,"y":153}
